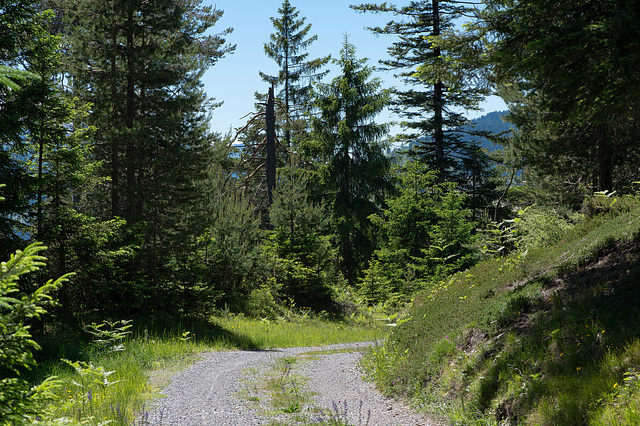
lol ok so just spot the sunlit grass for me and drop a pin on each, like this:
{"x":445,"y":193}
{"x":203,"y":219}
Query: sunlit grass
{"x":310,"y":332}
{"x":495,"y":344}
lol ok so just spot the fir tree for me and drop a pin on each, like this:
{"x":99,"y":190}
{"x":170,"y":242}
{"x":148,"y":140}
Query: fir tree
{"x":568,"y":69}
{"x":445,"y":86}
{"x":287,"y":48}
{"x":347,"y":144}
{"x":140,"y":65}
{"x":305,"y":267}
{"x":47,"y":144}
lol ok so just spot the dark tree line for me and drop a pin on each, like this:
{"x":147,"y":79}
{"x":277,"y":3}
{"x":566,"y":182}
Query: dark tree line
{"x":107,"y":157}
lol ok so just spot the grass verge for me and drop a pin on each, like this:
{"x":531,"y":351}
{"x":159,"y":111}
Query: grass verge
{"x":549,"y":337}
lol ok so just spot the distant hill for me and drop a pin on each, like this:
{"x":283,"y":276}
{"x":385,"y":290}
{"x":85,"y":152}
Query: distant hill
{"x":492,"y":123}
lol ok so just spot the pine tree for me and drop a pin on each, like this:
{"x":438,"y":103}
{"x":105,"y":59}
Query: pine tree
{"x":347,"y":144}
{"x":287,"y":48}
{"x":443,"y":88}
{"x":568,"y":69}
{"x":140,"y":65}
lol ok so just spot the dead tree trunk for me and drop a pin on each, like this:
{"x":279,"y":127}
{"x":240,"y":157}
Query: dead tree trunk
{"x":271,"y":146}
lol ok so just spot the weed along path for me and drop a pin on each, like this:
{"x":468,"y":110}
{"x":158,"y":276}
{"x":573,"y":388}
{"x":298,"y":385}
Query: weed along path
{"x":293,"y":386}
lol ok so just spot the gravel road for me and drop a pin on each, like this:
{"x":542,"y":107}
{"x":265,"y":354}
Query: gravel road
{"x":214,"y":390}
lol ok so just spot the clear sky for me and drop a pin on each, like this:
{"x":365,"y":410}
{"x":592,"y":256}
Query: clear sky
{"x":235,"y":79}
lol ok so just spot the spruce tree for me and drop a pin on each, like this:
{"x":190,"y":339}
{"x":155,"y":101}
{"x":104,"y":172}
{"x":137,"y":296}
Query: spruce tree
{"x":305,"y":267}
{"x":445,"y":86}
{"x":287,"y":48}
{"x":347,"y":145}
{"x":45,"y":147}
{"x":568,"y":69}
{"x":140,"y":65}
{"x":18,"y":20}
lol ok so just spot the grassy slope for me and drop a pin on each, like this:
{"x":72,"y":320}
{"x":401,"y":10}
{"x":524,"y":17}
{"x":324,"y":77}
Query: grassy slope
{"x":551,"y":337}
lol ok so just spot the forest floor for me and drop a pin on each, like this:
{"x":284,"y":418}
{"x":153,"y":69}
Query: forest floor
{"x":292,"y":386}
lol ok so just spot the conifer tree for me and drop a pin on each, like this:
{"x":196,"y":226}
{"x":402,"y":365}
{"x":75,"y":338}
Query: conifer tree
{"x":568,"y":69}
{"x":18,"y":20}
{"x":45,"y":146}
{"x":305,"y":267}
{"x":287,"y":48}
{"x":140,"y":65}
{"x":445,"y":86}
{"x":347,"y":145}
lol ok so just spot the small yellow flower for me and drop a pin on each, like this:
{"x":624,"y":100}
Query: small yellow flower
{"x":578,"y":368}
{"x":615,"y":385}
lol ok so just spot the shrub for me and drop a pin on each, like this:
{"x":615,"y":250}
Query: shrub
{"x":20,"y":403}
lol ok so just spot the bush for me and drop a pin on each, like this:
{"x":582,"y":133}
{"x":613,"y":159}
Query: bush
{"x":536,"y":226}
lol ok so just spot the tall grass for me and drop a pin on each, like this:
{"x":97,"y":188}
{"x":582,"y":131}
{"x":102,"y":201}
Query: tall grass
{"x":297,"y":333}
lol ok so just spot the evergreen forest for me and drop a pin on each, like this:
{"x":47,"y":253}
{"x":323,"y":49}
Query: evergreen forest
{"x":116,"y":193}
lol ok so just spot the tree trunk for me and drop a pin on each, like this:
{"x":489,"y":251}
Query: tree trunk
{"x":129,"y":120}
{"x":115,"y":146}
{"x":271,"y":146}
{"x":605,"y":166}
{"x":438,"y":135}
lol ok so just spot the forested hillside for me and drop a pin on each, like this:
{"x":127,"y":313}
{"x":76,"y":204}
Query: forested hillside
{"x":107,"y":160}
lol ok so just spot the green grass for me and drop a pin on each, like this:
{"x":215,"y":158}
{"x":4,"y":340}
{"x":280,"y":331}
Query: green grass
{"x":288,"y":334}
{"x":505,"y":342}
{"x":279,"y":390}
{"x":101,"y":386}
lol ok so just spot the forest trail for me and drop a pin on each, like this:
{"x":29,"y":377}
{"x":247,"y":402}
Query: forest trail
{"x":219,"y":390}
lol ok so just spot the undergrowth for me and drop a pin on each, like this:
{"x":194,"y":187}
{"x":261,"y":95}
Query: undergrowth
{"x":545,"y":336}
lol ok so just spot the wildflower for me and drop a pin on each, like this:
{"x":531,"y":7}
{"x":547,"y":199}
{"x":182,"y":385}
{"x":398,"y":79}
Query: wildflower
{"x":615,"y":385}
{"x":578,"y":369}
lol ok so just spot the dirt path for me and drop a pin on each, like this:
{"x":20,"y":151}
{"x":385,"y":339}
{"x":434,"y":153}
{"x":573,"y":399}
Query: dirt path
{"x":213,"y":391}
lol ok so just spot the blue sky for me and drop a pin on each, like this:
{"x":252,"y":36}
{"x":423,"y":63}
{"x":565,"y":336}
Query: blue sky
{"x":234,"y":79}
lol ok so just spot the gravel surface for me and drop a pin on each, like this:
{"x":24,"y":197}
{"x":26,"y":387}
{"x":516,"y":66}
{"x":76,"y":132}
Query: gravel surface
{"x":214,"y":390}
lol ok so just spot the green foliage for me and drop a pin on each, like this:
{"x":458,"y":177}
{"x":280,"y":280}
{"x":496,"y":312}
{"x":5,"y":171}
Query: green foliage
{"x":152,"y":136}
{"x":536,"y":226}
{"x":302,"y":260}
{"x":442,"y":69}
{"x":44,"y":156}
{"x":610,"y":203}
{"x":10,"y":76}
{"x":19,"y":401}
{"x":347,"y":148}
{"x":533,"y":339}
{"x":565,"y":69}
{"x":109,"y":336}
{"x":426,"y":232}
{"x":265,"y":300}
{"x":287,"y":48}
{"x":225,"y":265}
